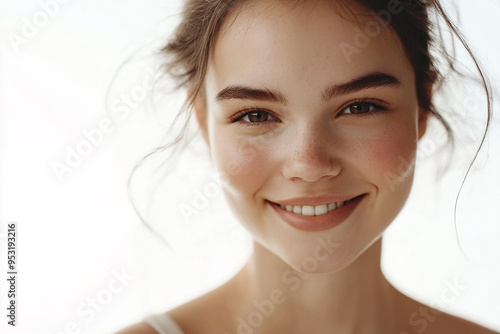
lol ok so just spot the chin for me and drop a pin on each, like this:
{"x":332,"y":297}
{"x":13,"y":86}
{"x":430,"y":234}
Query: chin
{"x":322,"y":254}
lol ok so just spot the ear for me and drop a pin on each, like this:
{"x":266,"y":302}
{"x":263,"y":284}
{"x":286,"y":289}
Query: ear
{"x":200,"y":110}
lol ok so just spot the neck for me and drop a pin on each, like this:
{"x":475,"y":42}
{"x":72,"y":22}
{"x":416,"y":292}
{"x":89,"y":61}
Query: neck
{"x":357,"y":299}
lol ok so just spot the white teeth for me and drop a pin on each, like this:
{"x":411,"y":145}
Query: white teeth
{"x":317,"y":210}
{"x":308,"y":210}
{"x":320,"y":209}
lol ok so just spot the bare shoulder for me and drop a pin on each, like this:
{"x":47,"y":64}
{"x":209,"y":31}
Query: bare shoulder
{"x":419,"y":318}
{"x":182,"y":315}
{"x":415,"y":317}
{"x":139,"y":328}
{"x":452,"y":324}
{"x":209,"y":313}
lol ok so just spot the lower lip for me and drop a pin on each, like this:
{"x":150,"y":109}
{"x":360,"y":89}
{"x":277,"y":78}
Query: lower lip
{"x":318,"y":223}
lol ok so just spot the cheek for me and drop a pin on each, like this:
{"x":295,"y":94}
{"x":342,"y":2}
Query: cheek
{"x":390,"y":155}
{"x":244,"y":163}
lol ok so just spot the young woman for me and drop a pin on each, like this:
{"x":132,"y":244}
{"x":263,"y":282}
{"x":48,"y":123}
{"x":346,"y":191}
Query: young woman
{"x":308,"y":109}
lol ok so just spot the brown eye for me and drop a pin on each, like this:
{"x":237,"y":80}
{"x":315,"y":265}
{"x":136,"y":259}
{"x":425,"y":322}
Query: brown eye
{"x":257,"y":116}
{"x":359,"y":108}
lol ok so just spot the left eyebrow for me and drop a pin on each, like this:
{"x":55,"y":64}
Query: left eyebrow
{"x":371,"y":80}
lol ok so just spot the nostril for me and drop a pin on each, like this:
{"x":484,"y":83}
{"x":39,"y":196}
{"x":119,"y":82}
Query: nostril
{"x":311,"y":154}
{"x":311,"y":170}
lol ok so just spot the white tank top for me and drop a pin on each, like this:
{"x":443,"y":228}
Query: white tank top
{"x":163,"y":324}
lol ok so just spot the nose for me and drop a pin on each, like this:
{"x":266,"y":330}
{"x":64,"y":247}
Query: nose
{"x":312,"y":155}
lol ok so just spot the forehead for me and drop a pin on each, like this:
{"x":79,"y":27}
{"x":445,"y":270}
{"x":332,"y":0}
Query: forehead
{"x":308,"y":44}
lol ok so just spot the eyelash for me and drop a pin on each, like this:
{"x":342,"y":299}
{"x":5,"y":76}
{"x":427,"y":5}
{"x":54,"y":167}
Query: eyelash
{"x":238,"y":117}
{"x":376,"y":104}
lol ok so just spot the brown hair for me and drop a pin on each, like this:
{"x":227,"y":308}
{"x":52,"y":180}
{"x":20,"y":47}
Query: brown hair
{"x":188,"y":51}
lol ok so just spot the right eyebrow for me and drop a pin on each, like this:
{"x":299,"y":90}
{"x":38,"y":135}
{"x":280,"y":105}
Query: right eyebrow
{"x":250,"y":93}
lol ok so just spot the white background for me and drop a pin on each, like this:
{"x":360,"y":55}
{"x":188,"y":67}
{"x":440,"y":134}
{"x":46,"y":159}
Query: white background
{"x":76,"y":234}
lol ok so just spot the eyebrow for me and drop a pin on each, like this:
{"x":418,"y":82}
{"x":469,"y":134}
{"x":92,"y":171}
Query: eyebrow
{"x":249,"y":93}
{"x":371,"y":80}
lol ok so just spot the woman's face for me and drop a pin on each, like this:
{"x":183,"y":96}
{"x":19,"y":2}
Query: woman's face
{"x":303,"y":110}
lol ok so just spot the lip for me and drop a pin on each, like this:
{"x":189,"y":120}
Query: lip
{"x":317,"y":223}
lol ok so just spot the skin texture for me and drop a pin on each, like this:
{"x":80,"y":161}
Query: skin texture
{"x":313,"y":150}
{"x":310,"y":147}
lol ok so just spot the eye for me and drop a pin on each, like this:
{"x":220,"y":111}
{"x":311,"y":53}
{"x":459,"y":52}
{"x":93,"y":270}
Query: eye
{"x":362,"y":108}
{"x":253,"y":116}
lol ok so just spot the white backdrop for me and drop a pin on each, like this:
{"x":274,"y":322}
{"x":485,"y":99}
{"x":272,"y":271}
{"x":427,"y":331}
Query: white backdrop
{"x":86,"y":264}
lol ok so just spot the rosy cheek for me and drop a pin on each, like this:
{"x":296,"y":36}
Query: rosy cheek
{"x":389,"y":154}
{"x":243,"y":163}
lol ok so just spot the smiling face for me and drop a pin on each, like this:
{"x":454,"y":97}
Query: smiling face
{"x":296,"y":126}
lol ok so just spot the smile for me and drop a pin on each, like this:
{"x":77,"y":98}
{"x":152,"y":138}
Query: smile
{"x":318,"y":214}
{"x":315,"y":210}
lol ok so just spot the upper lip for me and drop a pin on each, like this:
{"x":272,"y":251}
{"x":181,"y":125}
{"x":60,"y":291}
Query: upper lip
{"x":315,"y":200}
